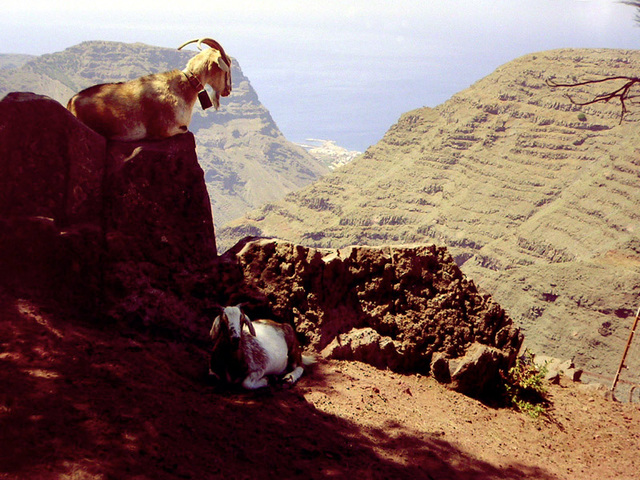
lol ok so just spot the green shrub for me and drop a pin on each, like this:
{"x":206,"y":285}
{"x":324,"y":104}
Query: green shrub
{"x":582,"y":117}
{"x":525,"y":386}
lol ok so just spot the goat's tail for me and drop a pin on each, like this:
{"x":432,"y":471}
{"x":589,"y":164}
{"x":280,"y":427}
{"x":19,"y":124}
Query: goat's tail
{"x":308,"y":360}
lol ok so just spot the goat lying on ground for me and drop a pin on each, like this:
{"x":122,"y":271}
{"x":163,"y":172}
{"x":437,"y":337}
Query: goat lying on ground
{"x":155,"y":106}
{"x":247,"y":352}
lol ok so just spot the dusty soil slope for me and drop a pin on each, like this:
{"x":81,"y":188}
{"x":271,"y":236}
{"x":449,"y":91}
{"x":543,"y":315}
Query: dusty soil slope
{"x":81,"y":401}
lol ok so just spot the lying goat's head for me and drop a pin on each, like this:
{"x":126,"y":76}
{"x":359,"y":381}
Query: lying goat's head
{"x":229,"y":323}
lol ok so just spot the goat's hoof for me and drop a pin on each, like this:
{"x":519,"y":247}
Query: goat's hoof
{"x":287,"y":382}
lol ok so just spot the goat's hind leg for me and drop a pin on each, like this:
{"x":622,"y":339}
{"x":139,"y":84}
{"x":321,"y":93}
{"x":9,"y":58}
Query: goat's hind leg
{"x":255,"y":380}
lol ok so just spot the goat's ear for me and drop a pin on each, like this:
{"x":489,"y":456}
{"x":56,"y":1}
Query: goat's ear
{"x":216,"y":56}
{"x":215,"y":328}
{"x":224,"y":66}
{"x":247,"y":321}
{"x":222,"y":63}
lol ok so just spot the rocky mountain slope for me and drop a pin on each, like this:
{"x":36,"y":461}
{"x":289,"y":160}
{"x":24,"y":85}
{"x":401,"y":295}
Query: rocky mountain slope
{"x":9,"y":61}
{"x":246,"y":159}
{"x":537,"y":199}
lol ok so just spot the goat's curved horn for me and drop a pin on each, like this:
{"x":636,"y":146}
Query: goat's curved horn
{"x":191,"y":41}
{"x":225,"y":61}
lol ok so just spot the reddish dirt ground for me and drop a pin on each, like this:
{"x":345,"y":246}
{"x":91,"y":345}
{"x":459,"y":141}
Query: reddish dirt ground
{"x":84,"y":402}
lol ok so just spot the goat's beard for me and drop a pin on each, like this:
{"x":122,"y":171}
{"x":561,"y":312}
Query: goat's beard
{"x":215,"y":99}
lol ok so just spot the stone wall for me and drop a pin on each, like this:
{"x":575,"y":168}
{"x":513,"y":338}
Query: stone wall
{"x":394,"y":307}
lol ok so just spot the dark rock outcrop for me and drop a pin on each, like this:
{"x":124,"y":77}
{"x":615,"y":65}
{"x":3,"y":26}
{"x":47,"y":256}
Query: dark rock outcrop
{"x":156,"y":203}
{"x":478,"y":370}
{"x":393,"y":307}
{"x":76,"y":212}
{"x":52,"y":166}
{"x":51,"y":171}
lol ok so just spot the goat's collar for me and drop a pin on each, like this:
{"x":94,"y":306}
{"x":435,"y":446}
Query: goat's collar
{"x":205,"y":101}
{"x":193,"y":81}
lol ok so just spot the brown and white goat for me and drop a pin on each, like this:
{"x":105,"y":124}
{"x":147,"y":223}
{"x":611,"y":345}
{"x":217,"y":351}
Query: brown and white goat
{"x":248,"y":352}
{"x":159,"y":105}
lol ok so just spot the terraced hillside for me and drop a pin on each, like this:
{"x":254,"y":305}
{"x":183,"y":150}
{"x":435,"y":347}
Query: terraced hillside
{"x":246,"y":159}
{"x":537,"y":198}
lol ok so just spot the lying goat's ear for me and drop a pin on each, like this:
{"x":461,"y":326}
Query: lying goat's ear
{"x":215,"y":328}
{"x":249,"y":325}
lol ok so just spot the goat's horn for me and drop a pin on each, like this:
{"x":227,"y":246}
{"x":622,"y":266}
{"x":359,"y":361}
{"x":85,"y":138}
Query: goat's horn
{"x":191,"y":41}
{"x":225,"y":61}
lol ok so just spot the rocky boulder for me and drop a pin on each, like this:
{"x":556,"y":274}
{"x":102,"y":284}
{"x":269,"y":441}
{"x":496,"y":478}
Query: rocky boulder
{"x":364,"y":345}
{"x":478,"y":370}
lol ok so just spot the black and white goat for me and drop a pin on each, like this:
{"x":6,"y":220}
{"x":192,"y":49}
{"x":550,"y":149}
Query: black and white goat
{"x":248,"y":352}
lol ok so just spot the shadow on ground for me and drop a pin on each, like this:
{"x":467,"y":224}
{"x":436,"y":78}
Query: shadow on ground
{"x":97,"y":402}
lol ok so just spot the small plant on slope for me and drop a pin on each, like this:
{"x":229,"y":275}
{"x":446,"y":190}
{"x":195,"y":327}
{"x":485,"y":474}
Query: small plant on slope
{"x":524,"y":386}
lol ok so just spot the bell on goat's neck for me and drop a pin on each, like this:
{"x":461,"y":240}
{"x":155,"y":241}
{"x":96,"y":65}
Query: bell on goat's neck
{"x":205,"y":101}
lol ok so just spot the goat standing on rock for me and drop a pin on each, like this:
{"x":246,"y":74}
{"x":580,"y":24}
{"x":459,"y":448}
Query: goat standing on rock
{"x":247,"y":352}
{"x":159,"y":105}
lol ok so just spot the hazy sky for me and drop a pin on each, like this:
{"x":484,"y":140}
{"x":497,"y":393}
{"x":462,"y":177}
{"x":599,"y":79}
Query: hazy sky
{"x":342,"y":70}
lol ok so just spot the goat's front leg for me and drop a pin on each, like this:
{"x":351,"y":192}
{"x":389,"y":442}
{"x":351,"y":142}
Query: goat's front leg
{"x":255,"y":380}
{"x":293,"y":376}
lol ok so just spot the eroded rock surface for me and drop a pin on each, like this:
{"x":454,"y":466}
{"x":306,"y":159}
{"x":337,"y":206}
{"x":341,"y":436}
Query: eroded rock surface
{"x":79,"y":215}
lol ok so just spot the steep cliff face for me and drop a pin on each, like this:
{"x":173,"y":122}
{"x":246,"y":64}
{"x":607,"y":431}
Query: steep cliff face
{"x":246,"y":159}
{"x":535,"y":197}
{"x":89,"y":220}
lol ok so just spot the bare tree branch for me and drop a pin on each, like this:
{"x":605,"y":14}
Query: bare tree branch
{"x":635,"y":4}
{"x":622,"y":93}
